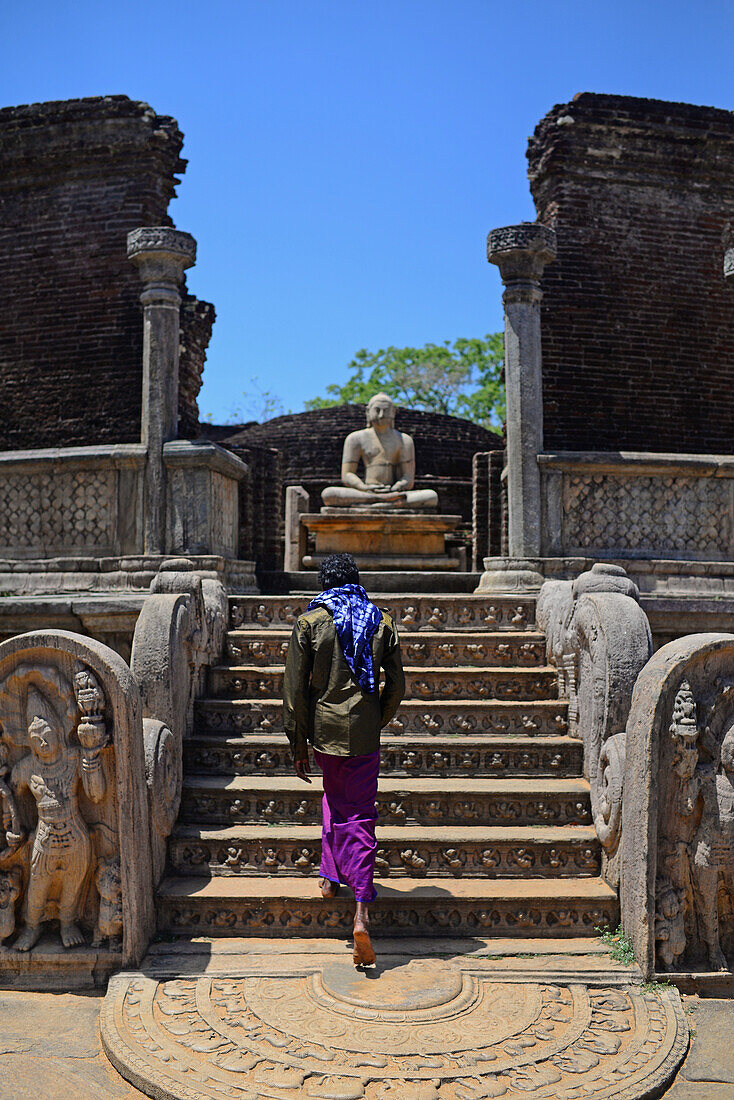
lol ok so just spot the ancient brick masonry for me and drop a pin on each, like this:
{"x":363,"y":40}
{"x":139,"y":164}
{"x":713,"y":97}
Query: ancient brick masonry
{"x":75,"y":176}
{"x":637,"y":322}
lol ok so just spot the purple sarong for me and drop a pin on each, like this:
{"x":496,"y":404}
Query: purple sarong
{"x":348,"y":843}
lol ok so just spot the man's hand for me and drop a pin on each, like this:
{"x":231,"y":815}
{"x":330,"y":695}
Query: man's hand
{"x":302,"y":769}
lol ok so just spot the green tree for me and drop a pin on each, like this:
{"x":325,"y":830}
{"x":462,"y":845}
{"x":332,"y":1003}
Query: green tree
{"x":461,"y":378}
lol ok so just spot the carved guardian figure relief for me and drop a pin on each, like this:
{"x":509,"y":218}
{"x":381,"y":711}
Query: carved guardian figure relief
{"x":694,"y":918}
{"x":61,"y":855}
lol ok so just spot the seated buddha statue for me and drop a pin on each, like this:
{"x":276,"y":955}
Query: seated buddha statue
{"x":389,"y":465}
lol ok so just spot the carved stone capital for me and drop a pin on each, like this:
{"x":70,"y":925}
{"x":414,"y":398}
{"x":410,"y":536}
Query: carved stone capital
{"x":161,"y":255}
{"x":521,"y":253}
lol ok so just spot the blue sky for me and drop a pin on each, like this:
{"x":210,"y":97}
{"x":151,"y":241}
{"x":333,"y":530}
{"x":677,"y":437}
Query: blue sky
{"x":347,"y":159}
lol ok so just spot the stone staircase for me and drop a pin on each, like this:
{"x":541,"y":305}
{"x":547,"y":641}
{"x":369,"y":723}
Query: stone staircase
{"x":485,"y":826}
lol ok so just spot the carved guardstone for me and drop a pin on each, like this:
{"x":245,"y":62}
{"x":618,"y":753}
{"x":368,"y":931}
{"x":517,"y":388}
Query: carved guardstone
{"x":678,"y":815}
{"x":74,"y":812}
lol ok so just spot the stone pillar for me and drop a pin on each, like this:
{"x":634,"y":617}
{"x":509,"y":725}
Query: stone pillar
{"x":296,"y":505}
{"x":161,"y":255}
{"x":521,"y":253}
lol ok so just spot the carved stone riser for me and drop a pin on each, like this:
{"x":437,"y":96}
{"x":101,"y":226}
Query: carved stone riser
{"x":534,"y":719}
{"x":513,"y":808}
{"x":391,"y":916}
{"x":521,"y":649}
{"x":411,"y":856}
{"x":429,"y":684}
{"x":271,"y":756}
{"x":429,"y":613}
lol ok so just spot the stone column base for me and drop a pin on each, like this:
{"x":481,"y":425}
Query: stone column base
{"x":522,"y":576}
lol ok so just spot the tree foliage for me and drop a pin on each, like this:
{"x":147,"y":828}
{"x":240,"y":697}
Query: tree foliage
{"x":461,"y":378}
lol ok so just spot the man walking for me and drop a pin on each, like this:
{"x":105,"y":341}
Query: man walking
{"x":332,"y":700}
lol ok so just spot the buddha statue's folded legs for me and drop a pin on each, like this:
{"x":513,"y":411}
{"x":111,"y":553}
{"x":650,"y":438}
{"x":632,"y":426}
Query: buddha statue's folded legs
{"x":342,"y":496}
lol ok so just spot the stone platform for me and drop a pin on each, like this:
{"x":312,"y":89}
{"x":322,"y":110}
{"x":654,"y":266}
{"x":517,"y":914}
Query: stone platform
{"x":381,"y":540}
{"x":298,"y":1025}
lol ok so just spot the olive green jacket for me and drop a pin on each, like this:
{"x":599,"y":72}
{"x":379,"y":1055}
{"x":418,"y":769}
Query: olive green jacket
{"x":323,"y":704}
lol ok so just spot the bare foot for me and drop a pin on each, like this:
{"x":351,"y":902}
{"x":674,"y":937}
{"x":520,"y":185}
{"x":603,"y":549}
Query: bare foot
{"x":717,"y":959}
{"x":364,"y":954}
{"x":328,"y":888}
{"x":71,"y":934}
{"x":28,"y":938}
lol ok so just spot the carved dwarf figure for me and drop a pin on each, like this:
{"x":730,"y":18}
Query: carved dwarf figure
{"x":389,"y":465}
{"x":62,"y":849}
{"x":670,"y":934}
{"x":109,"y":920}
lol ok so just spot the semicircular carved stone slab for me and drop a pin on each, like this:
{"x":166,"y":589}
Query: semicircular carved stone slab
{"x":423,"y":1031}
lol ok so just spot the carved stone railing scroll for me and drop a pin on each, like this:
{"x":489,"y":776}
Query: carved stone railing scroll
{"x":179,"y":632}
{"x":677,"y":894}
{"x":598,"y":638}
{"x":73,"y":798}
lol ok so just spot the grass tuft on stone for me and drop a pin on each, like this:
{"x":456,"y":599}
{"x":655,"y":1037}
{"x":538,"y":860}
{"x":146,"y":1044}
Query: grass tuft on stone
{"x":619,"y":944}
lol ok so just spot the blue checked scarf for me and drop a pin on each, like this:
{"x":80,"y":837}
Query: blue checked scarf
{"x":355,"y":620}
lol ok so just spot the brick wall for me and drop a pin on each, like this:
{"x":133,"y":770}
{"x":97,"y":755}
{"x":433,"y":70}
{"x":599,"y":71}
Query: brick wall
{"x":488,"y":518}
{"x":75,"y":176}
{"x":311,"y":446}
{"x":262,"y":507}
{"x":638,"y":324}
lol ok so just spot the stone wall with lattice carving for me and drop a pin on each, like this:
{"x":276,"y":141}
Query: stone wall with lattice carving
{"x":80,"y":501}
{"x":641,"y":506}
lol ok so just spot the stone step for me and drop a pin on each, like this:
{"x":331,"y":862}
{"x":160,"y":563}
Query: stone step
{"x":504,"y":648}
{"x":269,"y":754}
{"x":283,"y":906}
{"x":511,"y":717}
{"x":411,"y":611}
{"x":278,"y":800}
{"x":253,"y":682}
{"x":479,"y":852}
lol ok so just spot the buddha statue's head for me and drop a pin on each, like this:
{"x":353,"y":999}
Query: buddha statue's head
{"x":380,"y":412}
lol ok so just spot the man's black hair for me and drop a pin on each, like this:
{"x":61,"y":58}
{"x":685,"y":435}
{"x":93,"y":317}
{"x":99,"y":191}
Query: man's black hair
{"x":338,"y":569}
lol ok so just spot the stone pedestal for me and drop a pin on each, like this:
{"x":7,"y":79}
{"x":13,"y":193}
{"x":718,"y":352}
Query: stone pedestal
{"x":381,"y":540}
